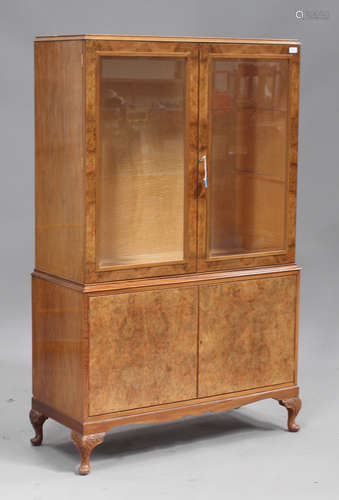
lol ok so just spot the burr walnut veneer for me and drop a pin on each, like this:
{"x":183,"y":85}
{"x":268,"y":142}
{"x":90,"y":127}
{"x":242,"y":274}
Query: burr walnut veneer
{"x":165,"y":282}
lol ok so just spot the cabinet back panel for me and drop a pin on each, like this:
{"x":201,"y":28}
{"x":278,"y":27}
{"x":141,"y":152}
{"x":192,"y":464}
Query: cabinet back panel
{"x":142,"y":349}
{"x":59,"y":174}
{"x":247,"y":334}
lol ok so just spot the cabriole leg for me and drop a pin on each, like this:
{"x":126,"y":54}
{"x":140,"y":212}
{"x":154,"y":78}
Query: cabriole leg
{"x":37,"y":420}
{"x":85,"y":445}
{"x":293,"y":406}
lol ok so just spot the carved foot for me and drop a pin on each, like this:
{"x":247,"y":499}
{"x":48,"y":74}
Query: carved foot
{"x":37,"y":420}
{"x":85,"y":445}
{"x":293,"y":406}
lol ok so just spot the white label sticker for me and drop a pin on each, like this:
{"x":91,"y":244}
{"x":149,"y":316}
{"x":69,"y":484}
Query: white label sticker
{"x":293,"y":50}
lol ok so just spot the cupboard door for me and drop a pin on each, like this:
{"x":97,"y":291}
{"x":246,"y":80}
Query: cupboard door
{"x":247,"y":333}
{"x":143,"y":349}
{"x":146,"y":150}
{"x":248,"y":148}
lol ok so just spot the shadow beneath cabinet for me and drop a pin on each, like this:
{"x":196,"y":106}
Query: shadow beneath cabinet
{"x":134,"y":439}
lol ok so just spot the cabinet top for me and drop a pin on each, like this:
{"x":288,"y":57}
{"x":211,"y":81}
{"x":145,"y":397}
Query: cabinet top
{"x":44,"y":38}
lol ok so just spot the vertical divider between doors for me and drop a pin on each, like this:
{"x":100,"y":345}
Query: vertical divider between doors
{"x":198,"y":170}
{"x":197,"y":190}
{"x":203,"y":150}
{"x":198,"y":341}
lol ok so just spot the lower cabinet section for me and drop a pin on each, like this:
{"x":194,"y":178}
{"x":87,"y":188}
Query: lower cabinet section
{"x":142,"y":349}
{"x":148,"y":348}
{"x":123,"y":352}
{"x":247,"y":334}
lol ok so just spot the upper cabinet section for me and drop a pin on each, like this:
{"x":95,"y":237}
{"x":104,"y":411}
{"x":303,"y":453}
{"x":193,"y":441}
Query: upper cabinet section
{"x":159,"y":156}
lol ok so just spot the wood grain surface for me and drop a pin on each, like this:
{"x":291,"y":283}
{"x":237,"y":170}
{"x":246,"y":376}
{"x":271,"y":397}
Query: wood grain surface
{"x":180,"y":410}
{"x":143,"y":349}
{"x":188,"y":39}
{"x":247,"y":334}
{"x":57,"y":347}
{"x":59,"y":170}
{"x":166,"y":412}
{"x":171,"y":281}
{"x":85,"y":446}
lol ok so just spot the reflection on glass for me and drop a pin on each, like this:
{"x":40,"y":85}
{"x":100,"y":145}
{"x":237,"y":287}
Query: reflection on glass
{"x":140,"y":199}
{"x":248,"y":157}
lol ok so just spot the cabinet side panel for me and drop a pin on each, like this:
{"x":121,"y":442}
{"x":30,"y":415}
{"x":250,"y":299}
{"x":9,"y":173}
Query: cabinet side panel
{"x":59,"y":175}
{"x":247,"y":334}
{"x":143,"y":349}
{"x":57,"y":347}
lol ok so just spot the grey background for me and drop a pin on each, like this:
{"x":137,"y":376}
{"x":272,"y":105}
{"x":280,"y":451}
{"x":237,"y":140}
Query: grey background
{"x":241,"y":453}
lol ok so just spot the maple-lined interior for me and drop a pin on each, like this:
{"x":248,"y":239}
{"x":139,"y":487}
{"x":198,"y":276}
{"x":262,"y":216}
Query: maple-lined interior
{"x":248,"y":113}
{"x":141,"y":206}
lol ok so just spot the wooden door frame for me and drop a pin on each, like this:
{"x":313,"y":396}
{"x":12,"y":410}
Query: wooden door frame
{"x":208,"y":52}
{"x":94,"y":49}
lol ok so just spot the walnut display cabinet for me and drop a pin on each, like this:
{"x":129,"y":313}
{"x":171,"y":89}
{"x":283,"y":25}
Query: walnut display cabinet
{"x":165,"y":282}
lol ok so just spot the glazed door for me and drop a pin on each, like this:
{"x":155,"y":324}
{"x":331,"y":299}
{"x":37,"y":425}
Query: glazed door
{"x":248,"y":148}
{"x":143,"y":138}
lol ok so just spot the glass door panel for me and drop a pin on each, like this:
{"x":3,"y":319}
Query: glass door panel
{"x":141,"y":203}
{"x":248,"y":156}
{"x":248,"y":104}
